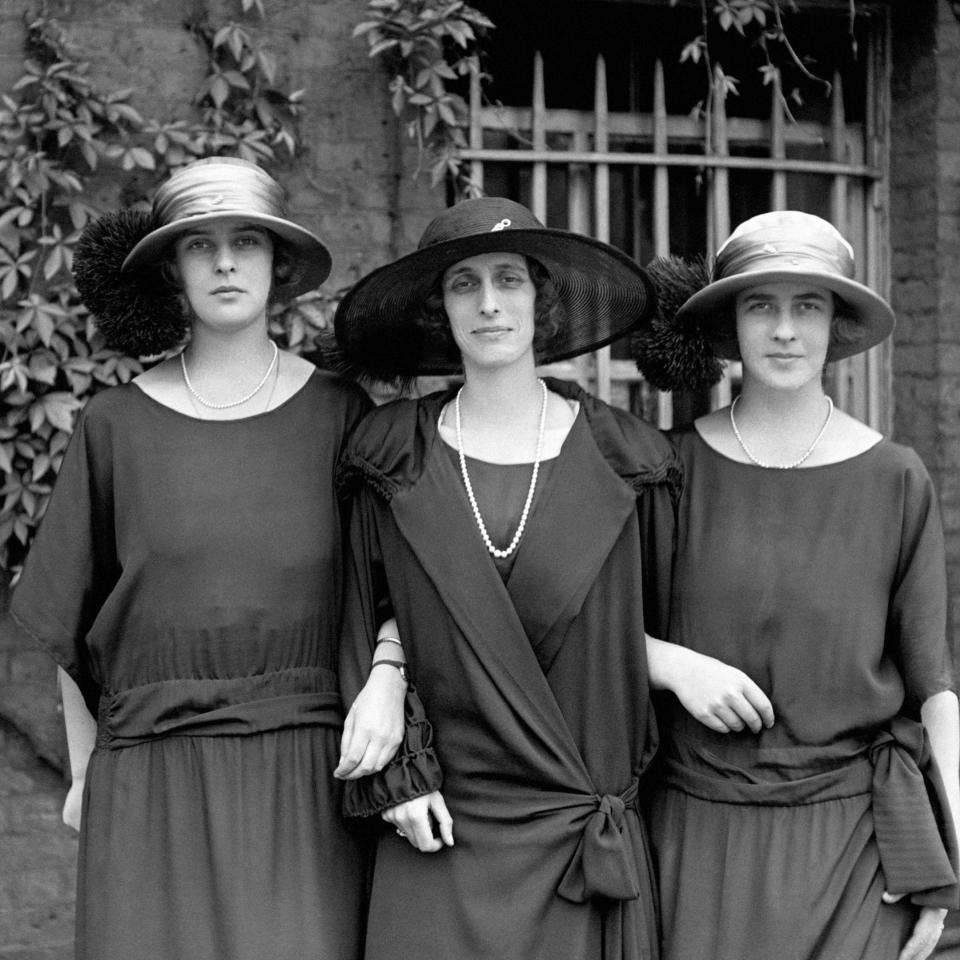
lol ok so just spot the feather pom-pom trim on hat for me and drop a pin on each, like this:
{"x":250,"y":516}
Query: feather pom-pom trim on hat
{"x":136,"y":311}
{"x":670,"y":355}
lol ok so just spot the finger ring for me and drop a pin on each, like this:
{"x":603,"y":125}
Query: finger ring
{"x":400,"y":833}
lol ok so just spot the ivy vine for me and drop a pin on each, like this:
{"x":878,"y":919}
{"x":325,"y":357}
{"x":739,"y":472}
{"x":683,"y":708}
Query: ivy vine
{"x":427,"y":45}
{"x":763,"y":24}
{"x":59,"y":133}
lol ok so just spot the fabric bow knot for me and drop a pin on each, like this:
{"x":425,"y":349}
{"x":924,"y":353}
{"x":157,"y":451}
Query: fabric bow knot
{"x":603,"y":864}
{"x":914,"y":830}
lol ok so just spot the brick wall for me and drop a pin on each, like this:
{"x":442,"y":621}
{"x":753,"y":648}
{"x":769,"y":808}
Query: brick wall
{"x":37,"y":856}
{"x":925,"y":232}
{"x":353,"y":184}
{"x":37,"y":851}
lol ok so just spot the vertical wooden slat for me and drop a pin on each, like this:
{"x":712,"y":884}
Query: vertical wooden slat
{"x":601,"y":200}
{"x":661,"y":209}
{"x":539,"y":136}
{"x":879,"y":360}
{"x":476,"y":127}
{"x":720,"y":205}
{"x":778,"y":144}
{"x":838,"y":153}
{"x":720,"y":181}
{"x":848,"y":397}
{"x":661,"y":175}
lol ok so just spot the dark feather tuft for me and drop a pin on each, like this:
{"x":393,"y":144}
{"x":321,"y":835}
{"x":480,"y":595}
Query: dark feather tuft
{"x":671,"y":356}
{"x":329,"y":355}
{"x":137,"y":312}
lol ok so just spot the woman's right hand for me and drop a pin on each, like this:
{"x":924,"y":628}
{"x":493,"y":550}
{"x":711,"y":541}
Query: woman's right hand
{"x":374,"y":726}
{"x":415,"y":820}
{"x":721,"y":697}
{"x":73,"y":805}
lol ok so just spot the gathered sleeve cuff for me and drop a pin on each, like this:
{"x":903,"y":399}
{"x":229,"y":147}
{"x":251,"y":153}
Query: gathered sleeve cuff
{"x":413,"y":772}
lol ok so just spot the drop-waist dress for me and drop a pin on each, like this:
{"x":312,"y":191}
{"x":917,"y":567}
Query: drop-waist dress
{"x":188,"y":575}
{"x":826,"y":585}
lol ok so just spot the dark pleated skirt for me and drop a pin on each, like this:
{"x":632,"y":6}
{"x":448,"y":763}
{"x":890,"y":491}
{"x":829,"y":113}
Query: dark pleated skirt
{"x":754,"y":882}
{"x":219,"y":848}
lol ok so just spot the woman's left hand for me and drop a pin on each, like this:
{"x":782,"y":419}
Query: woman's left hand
{"x":374,"y":726}
{"x":926,"y":931}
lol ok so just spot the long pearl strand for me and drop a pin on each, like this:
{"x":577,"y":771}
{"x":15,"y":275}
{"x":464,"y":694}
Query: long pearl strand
{"x":500,"y":554}
{"x":232,"y":403}
{"x":781,"y":466}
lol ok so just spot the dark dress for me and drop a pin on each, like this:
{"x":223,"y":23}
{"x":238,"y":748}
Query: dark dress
{"x":826,"y":585}
{"x":535,"y":686}
{"x":188,"y":575}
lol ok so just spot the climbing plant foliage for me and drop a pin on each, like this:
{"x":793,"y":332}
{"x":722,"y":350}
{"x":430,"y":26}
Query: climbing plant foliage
{"x":61,"y":136}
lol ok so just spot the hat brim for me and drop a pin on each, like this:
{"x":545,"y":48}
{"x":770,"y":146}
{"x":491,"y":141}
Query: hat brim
{"x":604,"y":295}
{"x":873,"y":314}
{"x":313,"y":260}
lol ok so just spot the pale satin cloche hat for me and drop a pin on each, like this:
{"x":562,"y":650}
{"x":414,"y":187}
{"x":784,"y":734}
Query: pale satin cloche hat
{"x":788,"y":245}
{"x":118,"y":259}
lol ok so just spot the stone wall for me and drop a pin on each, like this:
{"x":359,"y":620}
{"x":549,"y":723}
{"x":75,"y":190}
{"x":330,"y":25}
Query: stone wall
{"x":352,"y":184}
{"x":925,"y":234}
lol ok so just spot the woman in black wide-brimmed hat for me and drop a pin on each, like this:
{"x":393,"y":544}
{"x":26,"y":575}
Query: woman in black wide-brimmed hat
{"x":187,"y":579}
{"x":521,"y":533}
{"x":810,"y":556}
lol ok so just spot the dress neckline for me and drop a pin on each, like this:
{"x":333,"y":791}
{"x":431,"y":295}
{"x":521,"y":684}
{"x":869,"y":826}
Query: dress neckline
{"x":773,"y":470}
{"x":153,"y":401}
{"x":525,"y":463}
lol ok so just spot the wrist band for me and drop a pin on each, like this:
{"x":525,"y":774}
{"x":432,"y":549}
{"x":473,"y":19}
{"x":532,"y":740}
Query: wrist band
{"x":389,"y":640}
{"x":399,"y":664}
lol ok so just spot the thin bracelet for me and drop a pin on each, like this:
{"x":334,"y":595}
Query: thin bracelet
{"x":389,"y":640}
{"x":398,"y":664}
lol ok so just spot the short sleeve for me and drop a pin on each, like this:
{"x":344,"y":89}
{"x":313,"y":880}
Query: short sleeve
{"x":657,"y":514}
{"x":918,"y":601}
{"x":72,"y":564}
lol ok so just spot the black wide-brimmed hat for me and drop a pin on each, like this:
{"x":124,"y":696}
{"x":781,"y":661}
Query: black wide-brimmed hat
{"x":117,"y":260}
{"x":602,"y":292}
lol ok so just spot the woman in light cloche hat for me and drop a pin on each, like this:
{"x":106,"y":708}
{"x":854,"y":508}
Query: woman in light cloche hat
{"x":816,"y":819}
{"x":187,"y":579}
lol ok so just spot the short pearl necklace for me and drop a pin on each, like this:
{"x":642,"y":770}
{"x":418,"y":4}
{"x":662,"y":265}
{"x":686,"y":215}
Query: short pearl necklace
{"x":781,"y":466}
{"x":232,"y":403}
{"x":500,"y":554}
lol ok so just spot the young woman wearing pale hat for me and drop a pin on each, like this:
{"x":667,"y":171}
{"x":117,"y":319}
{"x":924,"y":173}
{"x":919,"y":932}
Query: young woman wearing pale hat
{"x":819,"y":820}
{"x":521,"y":532}
{"x":187,"y":579}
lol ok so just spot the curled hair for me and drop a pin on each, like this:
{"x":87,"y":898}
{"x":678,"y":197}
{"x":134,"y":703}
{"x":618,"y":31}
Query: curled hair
{"x":549,"y":317}
{"x":844,"y":328}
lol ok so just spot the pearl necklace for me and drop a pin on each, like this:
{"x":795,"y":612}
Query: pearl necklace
{"x":232,"y":403}
{"x":781,"y":466}
{"x":500,"y":554}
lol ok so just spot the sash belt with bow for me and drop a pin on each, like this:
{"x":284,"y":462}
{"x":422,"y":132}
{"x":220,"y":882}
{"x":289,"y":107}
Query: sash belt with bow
{"x":912,"y":823}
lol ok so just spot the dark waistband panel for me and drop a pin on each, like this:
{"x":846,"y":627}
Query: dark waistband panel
{"x":896,"y":773}
{"x":232,"y":706}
